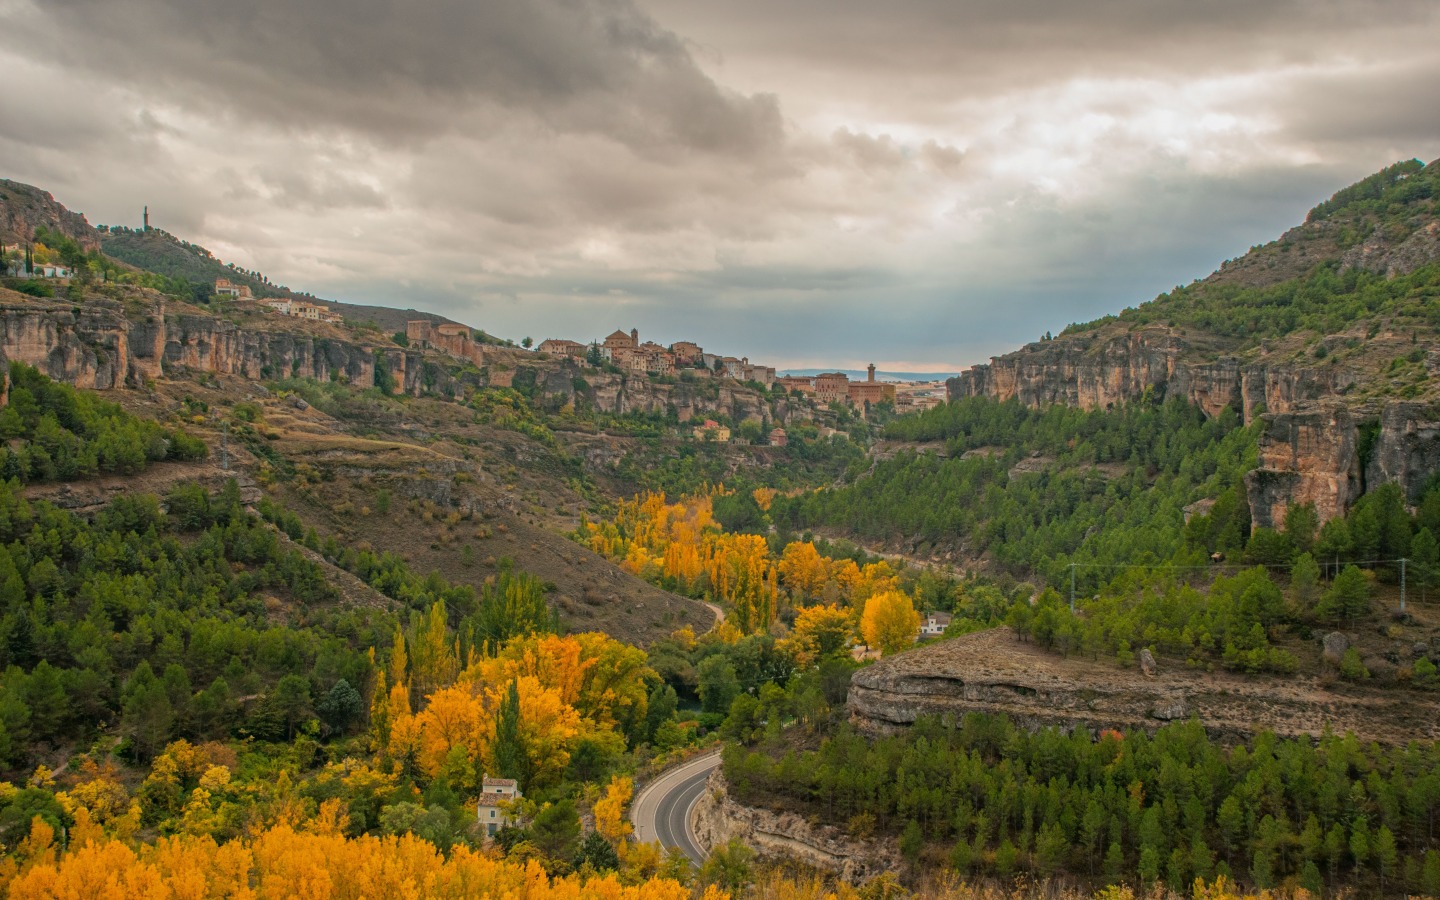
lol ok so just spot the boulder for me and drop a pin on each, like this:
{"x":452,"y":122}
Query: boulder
{"x":1168,"y":709}
{"x":1147,"y":662}
{"x":1335,"y":644}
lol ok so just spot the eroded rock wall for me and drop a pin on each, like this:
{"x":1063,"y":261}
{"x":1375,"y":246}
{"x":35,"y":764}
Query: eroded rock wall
{"x":625,"y":393}
{"x":100,"y":345}
{"x":1310,"y":446}
{"x":995,"y":673}
{"x":782,"y":836}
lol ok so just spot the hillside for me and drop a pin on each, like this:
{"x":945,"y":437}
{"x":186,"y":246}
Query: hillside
{"x":1325,"y":335}
{"x":164,"y":254}
{"x":23,"y":208}
{"x":270,"y":583}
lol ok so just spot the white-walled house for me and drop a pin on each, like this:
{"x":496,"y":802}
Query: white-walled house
{"x":935,"y":624}
{"x":493,"y":810}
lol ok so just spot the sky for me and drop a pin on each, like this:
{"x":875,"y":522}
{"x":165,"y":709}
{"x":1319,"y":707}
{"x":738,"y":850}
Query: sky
{"x":921,"y":184}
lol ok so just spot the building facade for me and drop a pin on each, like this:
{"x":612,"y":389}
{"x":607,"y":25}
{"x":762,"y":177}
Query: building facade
{"x":494,"y":811}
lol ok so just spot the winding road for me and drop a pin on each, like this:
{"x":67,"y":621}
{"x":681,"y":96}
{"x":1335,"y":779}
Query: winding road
{"x":662,"y":811}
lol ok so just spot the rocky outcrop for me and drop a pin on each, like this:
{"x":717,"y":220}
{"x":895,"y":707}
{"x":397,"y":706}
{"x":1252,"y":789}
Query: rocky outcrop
{"x":786,"y":836}
{"x":993,"y":672}
{"x":1307,"y":456}
{"x":1311,"y":443}
{"x":23,"y":208}
{"x":101,"y":345}
{"x":1103,"y":369}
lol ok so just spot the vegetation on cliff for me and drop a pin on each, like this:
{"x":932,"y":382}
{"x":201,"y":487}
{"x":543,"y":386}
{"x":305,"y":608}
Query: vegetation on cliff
{"x":57,"y":433}
{"x":1365,"y":255}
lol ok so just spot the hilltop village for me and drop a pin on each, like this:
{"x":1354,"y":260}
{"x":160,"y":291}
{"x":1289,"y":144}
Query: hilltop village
{"x":627,"y":353}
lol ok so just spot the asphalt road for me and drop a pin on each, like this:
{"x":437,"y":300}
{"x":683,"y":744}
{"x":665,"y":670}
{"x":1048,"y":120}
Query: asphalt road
{"x":662,"y":811}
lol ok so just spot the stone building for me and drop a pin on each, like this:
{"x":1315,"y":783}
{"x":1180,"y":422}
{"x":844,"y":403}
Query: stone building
{"x":869,"y":392}
{"x":449,"y":338}
{"x":832,"y":387}
{"x":230,"y":289}
{"x":562,"y":347}
{"x":494,"y":809}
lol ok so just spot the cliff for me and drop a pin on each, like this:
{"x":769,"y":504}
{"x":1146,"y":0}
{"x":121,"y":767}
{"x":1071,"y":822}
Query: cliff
{"x":786,"y":836}
{"x":993,"y":672}
{"x":1321,"y":334}
{"x":619,"y":393}
{"x":103,"y":345}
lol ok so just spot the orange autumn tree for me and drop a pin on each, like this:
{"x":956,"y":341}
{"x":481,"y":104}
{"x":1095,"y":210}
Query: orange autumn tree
{"x":610,"y":809}
{"x":764,"y":496}
{"x":284,"y":862}
{"x":571,"y":688}
{"x":742,"y":575}
{"x":874,"y":578}
{"x":455,"y":733}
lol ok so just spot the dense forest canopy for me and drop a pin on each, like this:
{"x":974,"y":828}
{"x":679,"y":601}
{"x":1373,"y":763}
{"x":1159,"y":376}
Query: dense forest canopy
{"x":993,"y":799}
{"x":58,"y":433}
{"x":1036,"y":489}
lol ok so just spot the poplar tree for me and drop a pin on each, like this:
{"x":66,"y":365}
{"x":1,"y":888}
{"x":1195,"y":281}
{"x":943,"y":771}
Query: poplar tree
{"x":509,"y":744}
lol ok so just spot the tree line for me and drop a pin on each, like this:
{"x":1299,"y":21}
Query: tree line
{"x":986,"y":797}
{"x":58,"y":433}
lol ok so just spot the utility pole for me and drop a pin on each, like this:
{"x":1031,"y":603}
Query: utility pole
{"x":1072,"y":589}
{"x":1402,"y":585}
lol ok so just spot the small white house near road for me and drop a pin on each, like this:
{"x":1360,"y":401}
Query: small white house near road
{"x":493,"y":810}
{"x":935,"y":624}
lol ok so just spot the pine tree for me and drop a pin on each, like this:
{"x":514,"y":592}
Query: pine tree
{"x":1348,"y":597}
{"x":1425,"y":559}
{"x":1305,"y":583}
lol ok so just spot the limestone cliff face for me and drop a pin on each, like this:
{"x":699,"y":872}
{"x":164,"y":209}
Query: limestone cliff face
{"x":1101,"y":370}
{"x":993,"y":672}
{"x":102,"y":345}
{"x":784,"y":836}
{"x":99,"y":345}
{"x":1310,"y":445}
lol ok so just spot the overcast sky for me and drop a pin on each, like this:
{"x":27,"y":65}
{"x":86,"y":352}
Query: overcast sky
{"x":922,"y":183}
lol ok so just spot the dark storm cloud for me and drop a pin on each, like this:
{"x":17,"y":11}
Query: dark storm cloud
{"x":406,"y":70}
{"x":807,"y":181}
{"x":1390,"y":101}
{"x":1015,"y":40}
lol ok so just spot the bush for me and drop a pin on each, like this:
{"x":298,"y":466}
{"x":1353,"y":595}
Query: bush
{"x":1352,"y":667}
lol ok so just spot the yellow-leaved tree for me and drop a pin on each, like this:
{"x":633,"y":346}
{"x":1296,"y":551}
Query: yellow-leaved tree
{"x":610,"y":809}
{"x":890,"y":622}
{"x":820,"y":632}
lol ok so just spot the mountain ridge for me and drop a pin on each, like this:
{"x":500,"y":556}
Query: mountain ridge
{"x":1325,"y":333}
